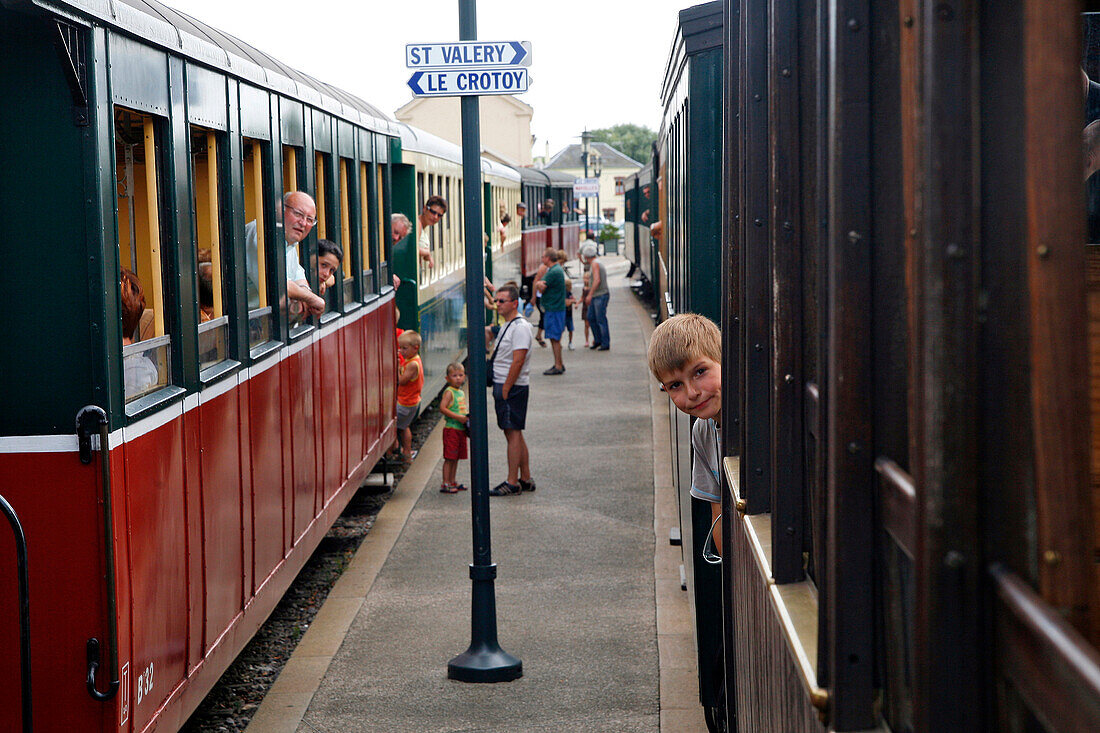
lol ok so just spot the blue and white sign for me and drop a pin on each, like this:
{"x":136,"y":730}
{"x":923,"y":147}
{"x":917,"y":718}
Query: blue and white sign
{"x":479,"y":54}
{"x":586,"y":188}
{"x":469,"y":82}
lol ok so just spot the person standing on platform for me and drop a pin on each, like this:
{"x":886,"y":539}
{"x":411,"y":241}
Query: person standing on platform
{"x":552,"y":287}
{"x":511,"y":367}
{"x":452,"y":405}
{"x":570,"y":299}
{"x":596,"y":300}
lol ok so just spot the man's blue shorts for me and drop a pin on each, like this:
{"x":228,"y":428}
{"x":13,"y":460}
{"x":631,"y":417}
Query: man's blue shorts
{"x":511,"y":412}
{"x":555,"y":324}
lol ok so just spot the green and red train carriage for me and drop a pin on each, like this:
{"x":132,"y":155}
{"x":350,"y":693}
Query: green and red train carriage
{"x":559,"y":229}
{"x":136,"y":137}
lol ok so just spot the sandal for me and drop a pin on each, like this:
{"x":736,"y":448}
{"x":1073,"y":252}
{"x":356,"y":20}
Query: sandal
{"x":449,"y":489}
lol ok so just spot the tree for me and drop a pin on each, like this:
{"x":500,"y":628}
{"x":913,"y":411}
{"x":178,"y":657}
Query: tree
{"x":634,"y":141}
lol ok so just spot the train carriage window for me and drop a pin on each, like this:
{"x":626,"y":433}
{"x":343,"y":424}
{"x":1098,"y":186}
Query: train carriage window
{"x":435,"y":187}
{"x":440,"y":232}
{"x":446,"y":231}
{"x":293,"y":254}
{"x":212,"y":274}
{"x":366,"y":220}
{"x":321,"y":171}
{"x":457,"y":233}
{"x":425,"y":190}
{"x":328,"y":227}
{"x":257,"y":208}
{"x":346,"y":264}
{"x":146,"y":341}
{"x":382,"y":226}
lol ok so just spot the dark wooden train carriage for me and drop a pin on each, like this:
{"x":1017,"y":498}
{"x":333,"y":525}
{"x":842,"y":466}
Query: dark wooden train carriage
{"x":909,"y":515}
{"x":690,"y":151}
{"x":173,"y":486}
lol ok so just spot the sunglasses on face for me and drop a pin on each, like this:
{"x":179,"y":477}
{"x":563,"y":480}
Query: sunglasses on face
{"x":439,"y":214}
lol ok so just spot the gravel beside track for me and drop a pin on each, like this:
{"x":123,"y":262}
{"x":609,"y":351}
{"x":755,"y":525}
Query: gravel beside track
{"x":234,"y":699}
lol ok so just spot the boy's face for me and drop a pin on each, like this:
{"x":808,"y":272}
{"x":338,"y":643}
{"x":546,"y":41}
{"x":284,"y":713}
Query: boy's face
{"x":327,"y":264}
{"x":456,"y":377}
{"x":407,"y":350}
{"x":696,"y":387}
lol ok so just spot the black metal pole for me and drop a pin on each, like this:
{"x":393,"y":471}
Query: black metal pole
{"x":484,"y":660}
{"x":599,"y":213}
{"x":587,"y":223}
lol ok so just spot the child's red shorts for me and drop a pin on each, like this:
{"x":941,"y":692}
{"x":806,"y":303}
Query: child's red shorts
{"x":454,"y":444}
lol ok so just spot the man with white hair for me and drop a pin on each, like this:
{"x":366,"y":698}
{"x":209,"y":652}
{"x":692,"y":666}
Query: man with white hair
{"x":596,"y":300}
{"x":299,"y":214}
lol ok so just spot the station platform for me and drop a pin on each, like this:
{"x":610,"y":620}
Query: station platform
{"x":588,"y":588}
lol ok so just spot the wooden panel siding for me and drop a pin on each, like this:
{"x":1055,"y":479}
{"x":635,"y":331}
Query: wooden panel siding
{"x":770,"y":693}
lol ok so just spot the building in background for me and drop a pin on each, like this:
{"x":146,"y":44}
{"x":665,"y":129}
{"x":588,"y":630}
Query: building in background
{"x":505,"y":124}
{"x":615,"y":166}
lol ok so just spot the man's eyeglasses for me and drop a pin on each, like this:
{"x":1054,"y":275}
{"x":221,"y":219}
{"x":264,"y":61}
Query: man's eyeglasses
{"x":439,"y":214}
{"x":311,"y":220}
{"x":503,"y":300}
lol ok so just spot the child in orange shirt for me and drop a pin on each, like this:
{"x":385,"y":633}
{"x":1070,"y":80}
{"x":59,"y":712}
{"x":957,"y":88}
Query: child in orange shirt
{"x":409,"y":384}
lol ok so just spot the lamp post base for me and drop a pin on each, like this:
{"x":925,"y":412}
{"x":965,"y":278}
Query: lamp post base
{"x":484,"y":663}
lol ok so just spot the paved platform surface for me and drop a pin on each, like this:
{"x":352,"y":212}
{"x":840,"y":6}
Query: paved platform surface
{"x":587,"y":593}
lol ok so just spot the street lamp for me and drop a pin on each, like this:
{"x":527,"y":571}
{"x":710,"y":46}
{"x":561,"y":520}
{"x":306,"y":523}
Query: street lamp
{"x":597,"y":169}
{"x":586,"y":138}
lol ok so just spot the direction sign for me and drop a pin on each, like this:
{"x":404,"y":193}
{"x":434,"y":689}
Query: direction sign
{"x":469,"y":82}
{"x":586,"y":188}
{"x":479,"y":54}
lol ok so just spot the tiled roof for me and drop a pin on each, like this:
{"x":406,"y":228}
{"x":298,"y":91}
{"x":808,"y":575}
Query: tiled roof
{"x":570,"y":157}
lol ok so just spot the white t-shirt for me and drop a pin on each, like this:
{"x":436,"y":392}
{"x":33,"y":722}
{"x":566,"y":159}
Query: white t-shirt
{"x":139,"y":374}
{"x":516,"y":334}
{"x":294,"y":270}
{"x":705,"y":481}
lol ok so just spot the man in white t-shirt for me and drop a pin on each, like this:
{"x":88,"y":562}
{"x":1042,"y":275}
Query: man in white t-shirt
{"x":511,"y":379}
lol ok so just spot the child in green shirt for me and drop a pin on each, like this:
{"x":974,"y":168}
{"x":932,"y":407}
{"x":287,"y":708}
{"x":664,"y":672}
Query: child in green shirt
{"x":455,"y":413}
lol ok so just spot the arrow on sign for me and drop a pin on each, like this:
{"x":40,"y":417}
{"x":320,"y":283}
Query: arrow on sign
{"x":521,"y":53}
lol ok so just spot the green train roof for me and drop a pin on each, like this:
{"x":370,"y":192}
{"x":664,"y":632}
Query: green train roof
{"x":178,"y":33}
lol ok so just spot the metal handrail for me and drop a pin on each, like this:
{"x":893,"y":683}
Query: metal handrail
{"x":24,"y":609}
{"x":89,"y":419}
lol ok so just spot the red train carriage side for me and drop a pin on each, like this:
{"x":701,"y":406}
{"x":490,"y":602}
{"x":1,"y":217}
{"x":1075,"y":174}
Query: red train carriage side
{"x":236,"y":428}
{"x":551,"y":219}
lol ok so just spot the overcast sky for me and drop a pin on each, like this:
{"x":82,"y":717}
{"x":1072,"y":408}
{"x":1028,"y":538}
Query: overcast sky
{"x":594,"y":64}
